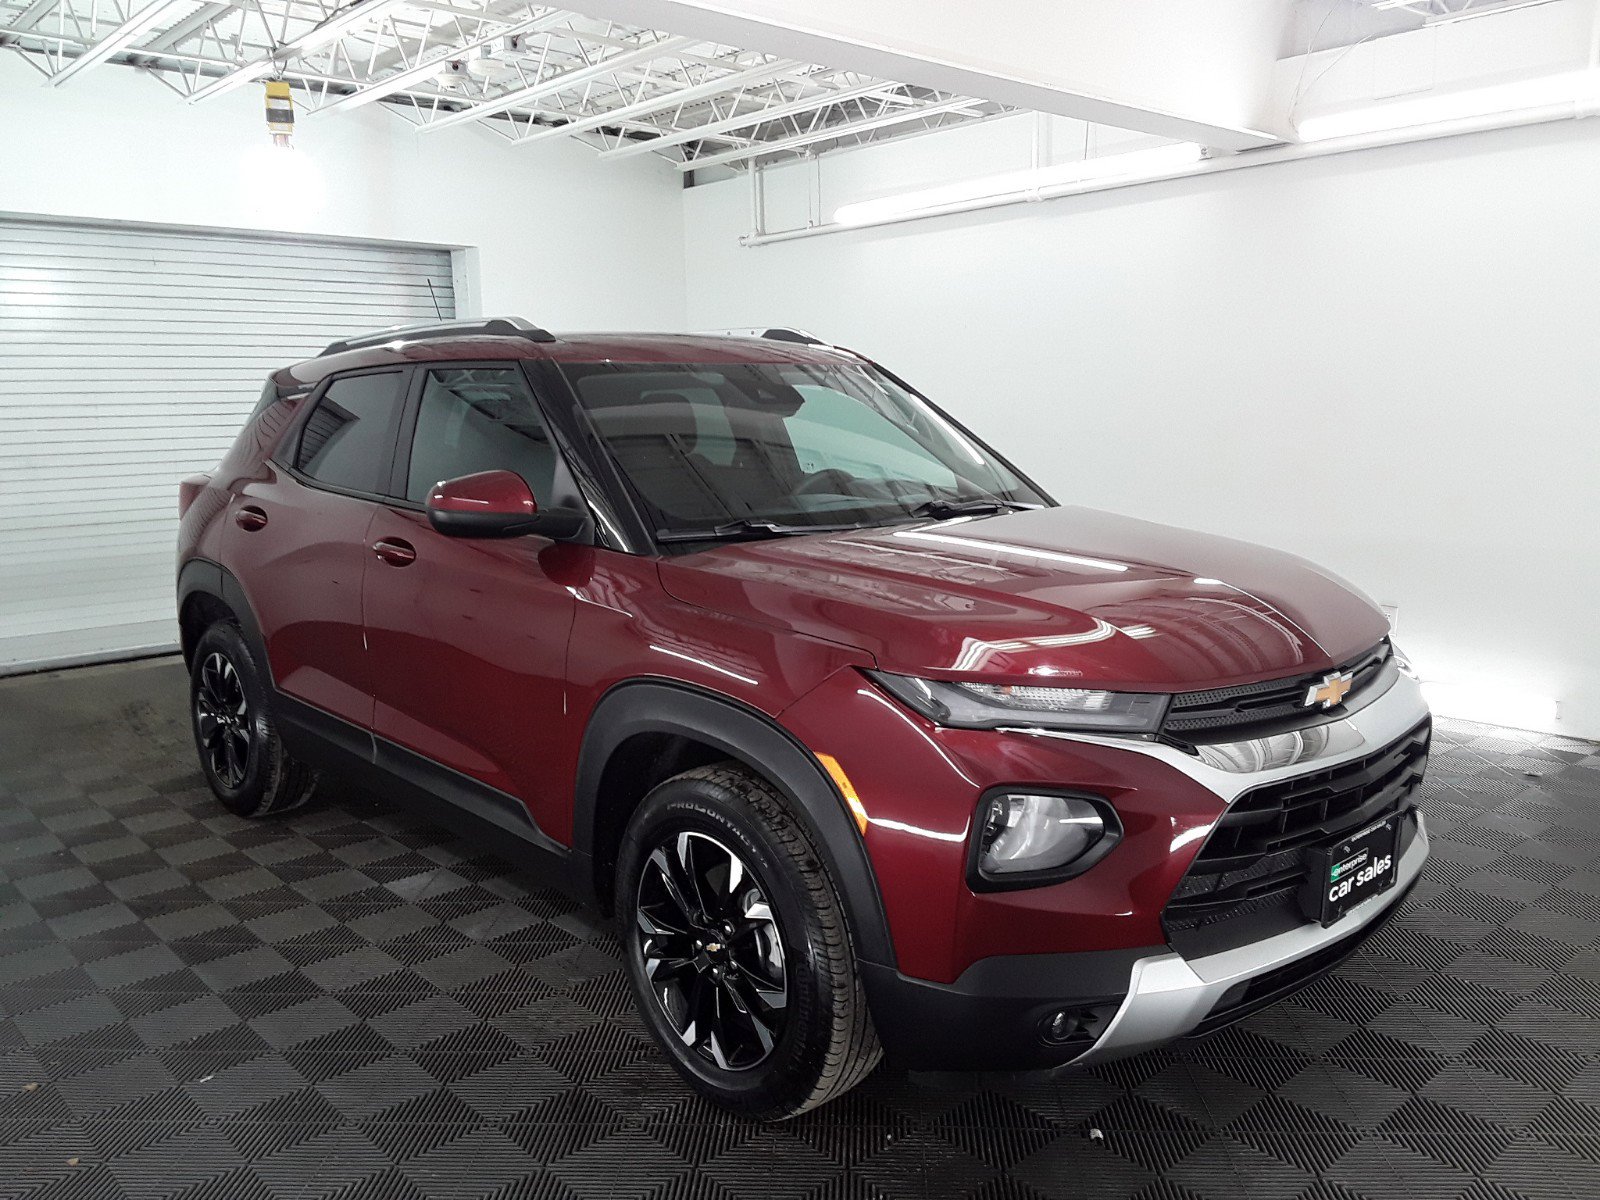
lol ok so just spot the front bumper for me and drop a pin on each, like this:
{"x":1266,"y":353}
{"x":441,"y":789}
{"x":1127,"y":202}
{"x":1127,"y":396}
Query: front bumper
{"x":997,"y":1014}
{"x":1170,"y":996}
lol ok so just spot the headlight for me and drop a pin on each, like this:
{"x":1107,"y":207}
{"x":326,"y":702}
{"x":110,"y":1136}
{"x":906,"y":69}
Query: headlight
{"x":1402,"y":662}
{"x":1024,"y":838}
{"x":994,"y":705}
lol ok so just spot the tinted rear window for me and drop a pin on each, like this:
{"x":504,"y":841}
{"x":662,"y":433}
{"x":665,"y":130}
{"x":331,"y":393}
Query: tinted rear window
{"x":348,"y":441}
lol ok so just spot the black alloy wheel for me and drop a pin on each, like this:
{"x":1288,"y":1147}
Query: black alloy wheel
{"x":711,"y":948}
{"x":737,"y":946}
{"x":241,"y":752}
{"x":222,"y":719}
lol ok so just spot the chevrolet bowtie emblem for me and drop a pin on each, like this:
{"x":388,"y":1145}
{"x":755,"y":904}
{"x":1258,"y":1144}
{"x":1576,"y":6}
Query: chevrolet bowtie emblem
{"x":1330,"y":691}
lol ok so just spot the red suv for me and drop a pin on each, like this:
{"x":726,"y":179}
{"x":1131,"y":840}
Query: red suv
{"x":870,"y":746}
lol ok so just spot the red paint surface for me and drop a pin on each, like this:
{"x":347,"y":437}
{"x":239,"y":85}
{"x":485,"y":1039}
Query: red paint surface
{"x":302,"y":573}
{"x":920,"y":786}
{"x":503,"y":493}
{"x":1063,"y":593}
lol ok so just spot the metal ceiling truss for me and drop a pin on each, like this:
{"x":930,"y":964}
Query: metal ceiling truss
{"x":531,"y":72}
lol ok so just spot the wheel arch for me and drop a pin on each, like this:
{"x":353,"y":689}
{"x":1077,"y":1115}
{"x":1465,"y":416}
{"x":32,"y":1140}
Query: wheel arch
{"x":208,"y":592}
{"x":639,"y":720}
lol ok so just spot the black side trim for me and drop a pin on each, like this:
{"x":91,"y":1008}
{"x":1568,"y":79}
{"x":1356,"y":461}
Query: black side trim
{"x":651,"y":706}
{"x":487,"y":803}
{"x":204,"y":577}
{"x":457,"y":801}
{"x":319,"y":737}
{"x":993,"y":1017}
{"x":199,"y":576}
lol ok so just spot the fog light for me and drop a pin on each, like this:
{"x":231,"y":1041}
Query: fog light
{"x":1062,"y":1026}
{"x":1068,"y":1025}
{"x":1023,"y":837}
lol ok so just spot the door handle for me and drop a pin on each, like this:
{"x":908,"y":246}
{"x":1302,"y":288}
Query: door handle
{"x":250,"y":517}
{"x":395,"y":552}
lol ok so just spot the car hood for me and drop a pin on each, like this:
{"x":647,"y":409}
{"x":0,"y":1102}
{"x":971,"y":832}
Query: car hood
{"x":1066,"y":593}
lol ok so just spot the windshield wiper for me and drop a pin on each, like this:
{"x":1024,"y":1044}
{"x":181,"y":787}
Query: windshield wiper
{"x":748,"y":529}
{"x":940,"y":509}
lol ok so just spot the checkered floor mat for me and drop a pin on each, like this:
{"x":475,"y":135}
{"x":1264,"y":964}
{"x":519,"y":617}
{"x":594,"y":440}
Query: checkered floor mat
{"x":348,"y":1002}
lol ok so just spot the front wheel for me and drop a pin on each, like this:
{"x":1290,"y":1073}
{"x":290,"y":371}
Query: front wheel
{"x":737,"y":948}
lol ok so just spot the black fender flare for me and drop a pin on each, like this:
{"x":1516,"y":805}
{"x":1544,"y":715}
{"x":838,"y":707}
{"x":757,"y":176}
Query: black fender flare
{"x":751,"y":737}
{"x":201,"y":576}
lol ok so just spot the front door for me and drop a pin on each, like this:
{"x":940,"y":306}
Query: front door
{"x":468,"y":636}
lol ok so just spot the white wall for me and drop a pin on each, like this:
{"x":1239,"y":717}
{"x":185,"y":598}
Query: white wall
{"x":1387,"y":361}
{"x":562,"y":239}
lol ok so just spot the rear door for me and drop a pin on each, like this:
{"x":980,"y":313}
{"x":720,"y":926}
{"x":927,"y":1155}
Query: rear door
{"x":468,"y":636}
{"x":299,"y":547}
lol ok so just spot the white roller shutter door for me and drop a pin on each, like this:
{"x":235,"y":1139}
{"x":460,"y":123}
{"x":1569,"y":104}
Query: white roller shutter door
{"x":129,"y":358}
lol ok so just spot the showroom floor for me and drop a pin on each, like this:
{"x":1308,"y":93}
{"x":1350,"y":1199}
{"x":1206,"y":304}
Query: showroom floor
{"x":350,"y":1002}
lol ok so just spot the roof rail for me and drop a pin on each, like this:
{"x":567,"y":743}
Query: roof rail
{"x":783,"y":333}
{"x":493,"y":326}
{"x":772,"y":333}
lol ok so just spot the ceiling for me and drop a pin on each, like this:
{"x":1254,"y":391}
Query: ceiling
{"x":676,"y":78}
{"x":529,"y":72}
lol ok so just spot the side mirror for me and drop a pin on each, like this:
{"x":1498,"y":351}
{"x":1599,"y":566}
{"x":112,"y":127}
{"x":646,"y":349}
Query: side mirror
{"x":497,"y":504}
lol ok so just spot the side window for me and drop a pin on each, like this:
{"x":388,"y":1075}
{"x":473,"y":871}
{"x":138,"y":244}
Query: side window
{"x":348,"y":441}
{"x":479,"y":419}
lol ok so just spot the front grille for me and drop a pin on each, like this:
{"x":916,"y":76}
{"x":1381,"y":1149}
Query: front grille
{"x":1251,"y":709}
{"x":1244,"y":883}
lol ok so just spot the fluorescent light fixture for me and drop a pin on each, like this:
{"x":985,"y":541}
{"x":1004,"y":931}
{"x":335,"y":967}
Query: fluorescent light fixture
{"x":1124,"y":168}
{"x":1492,"y":704}
{"x":334,"y":28}
{"x":118,"y":40}
{"x":1566,"y":87}
{"x":1467,"y":12}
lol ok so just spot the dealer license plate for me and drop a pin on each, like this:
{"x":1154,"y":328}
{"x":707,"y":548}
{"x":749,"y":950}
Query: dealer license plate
{"x":1352,"y":870}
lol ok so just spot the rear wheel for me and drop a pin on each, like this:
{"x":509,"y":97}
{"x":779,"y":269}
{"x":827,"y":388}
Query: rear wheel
{"x":737,"y":948}
{"x":241,"y":754}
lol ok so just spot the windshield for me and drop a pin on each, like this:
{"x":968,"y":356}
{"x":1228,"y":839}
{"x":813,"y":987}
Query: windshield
{"x":784,"y":445}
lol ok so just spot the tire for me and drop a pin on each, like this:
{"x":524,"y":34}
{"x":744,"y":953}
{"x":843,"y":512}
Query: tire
{"x":241,"y":754}
{"x":786,"y":967}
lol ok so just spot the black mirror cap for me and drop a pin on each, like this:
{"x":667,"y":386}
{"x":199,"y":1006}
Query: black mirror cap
{"x":557,"y":524}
